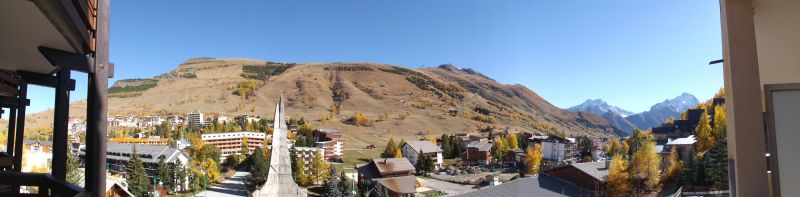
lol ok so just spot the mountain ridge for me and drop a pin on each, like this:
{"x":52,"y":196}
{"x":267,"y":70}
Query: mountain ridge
{"x":403,"y":103}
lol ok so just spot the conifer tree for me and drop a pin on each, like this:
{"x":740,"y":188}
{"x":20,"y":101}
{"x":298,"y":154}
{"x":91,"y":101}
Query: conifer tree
{"x":138,"y":182}
{"x":447,"y":149}
{"x":646,"y":166}
{"x":74,"y":175}
{"x":330,"y":187}
{"x":390,"y":149}
{"x":618,"y":181}
{"x":164,"y":174}
{"x":346,"y":186}
{"x":705,"y":136}
{"x":259,"y":169}
{"x":180,"y":175}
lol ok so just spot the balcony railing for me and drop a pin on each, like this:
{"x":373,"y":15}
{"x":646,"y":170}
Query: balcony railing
{"x":46,"y":183}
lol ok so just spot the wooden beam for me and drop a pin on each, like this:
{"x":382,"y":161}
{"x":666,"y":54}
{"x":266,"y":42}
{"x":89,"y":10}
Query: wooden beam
{"x":44,"y":80}
{"x":66,"y":60}
{"x":60,"y":122}
{"x":96,"y":106}
{"x":14,"y":101}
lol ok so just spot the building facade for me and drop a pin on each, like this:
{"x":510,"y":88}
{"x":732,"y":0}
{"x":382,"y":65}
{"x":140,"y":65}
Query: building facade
{"x":231,"y":143}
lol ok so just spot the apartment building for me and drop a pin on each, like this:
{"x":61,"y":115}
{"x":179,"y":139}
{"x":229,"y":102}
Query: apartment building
{"x":195,"y":119}
{"x":307,"y":155}
{"x":333,"y":143}
{"x":231,"y":143}
{"x":413,"y":149}
{"x":119,"y":154}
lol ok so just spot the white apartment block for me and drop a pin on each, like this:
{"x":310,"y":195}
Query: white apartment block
{"x":231,"y":143}
{"x":412,"y":149}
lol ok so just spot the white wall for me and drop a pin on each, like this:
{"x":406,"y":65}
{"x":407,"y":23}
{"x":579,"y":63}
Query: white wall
{"x":777,"y":26}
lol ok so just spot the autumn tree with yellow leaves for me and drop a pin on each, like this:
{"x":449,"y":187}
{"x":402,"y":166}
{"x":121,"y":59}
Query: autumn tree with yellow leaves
{"x":618,"y":181}
{"x":533,"y":156}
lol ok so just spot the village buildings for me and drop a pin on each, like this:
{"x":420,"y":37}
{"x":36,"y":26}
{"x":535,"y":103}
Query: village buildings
{"x":412,"y":150}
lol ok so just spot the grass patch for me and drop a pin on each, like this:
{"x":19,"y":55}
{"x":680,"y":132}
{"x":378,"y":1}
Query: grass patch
{"x":433,"y":193}
{"x":352,"y":157}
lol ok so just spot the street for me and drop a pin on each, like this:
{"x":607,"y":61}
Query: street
{"x":233,"y":186}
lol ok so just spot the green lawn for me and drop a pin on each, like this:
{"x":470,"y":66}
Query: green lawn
{"x":360,"y":156}
{"x":433,"y":193}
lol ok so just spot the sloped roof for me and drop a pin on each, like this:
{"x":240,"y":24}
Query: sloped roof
{"x":154,"y":151}
{"x":388,"y":165}
{"x":682,"y":141}
{"x":423,"y":146}
{"x":401,"y":184}
{"x":541,"y":186}
{"x":597,"y":170}
{"x":481,"y":145}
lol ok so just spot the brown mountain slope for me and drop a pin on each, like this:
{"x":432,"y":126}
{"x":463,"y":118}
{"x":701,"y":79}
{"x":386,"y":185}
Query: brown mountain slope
{"x":246,"y":86}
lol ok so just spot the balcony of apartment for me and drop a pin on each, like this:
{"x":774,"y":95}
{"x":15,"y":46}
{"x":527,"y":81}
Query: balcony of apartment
{"x":43,"y":42}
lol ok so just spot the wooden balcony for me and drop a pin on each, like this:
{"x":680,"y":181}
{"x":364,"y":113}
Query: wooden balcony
{"x":46,"y":185}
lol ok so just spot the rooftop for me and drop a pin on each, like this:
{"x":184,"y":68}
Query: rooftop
{"x":542,"y":185}
{"x":401,"y":184}
{"x":682,"y":141}
{"x":481,"y":145}
{"x":423,"y":146}
{"x":598,"y":170}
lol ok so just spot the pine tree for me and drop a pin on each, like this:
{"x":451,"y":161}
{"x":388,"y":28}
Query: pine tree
{"x":345,"y":186}
{"x":259,"y":169}
{"x":74,"y":175}
{"x":180,"y":175}
{"x":138,"y":182}
{"x":330,"y":187}
{"x":164,"y":174}
{"x":447,"y":149}
{"x":390,"y":149}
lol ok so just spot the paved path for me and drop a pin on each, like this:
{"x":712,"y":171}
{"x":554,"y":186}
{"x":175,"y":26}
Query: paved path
{"x":233,"y":186}
{"x":447,"y":187}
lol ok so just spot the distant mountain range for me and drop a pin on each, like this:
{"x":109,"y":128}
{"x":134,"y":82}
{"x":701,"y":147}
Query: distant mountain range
{"x":627,"y":121}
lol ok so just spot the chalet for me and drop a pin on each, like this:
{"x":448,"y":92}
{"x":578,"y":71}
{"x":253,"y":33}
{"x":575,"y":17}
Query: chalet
{"x":591,"y":175}
{"x":478,"y":153}
{"x":394,"y":176}
{"x":412,"y":149}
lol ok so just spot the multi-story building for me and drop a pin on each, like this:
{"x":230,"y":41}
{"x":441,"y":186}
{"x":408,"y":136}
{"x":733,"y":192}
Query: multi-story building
{"x":195,"y":119}
{"x":243,"y":119}
{"x":413,"y":149}
{"x":333,"y":143}
{"x":478,"y":153}
{"x":147,"y":141}
{"x":307,"y":154}
{"x":118,"y":155}
{"x":333,"y":149}
{"x":231,"y":143}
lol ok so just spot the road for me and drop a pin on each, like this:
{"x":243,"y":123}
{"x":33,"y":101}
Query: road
{"x":447,"y":187}
{"x":233,"y":186}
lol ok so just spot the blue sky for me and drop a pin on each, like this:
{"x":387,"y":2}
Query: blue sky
{"x":630,"y":53}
